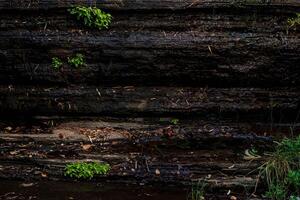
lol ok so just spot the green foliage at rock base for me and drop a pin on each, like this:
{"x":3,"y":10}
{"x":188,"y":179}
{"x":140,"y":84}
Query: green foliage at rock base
{"x":282,"y":170}
{"x":198,"y":191}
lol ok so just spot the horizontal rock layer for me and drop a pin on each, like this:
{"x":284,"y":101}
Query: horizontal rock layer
{"x":146,"y":4}
{"x":139,"y":151}
{"x":236,"y":103}
{"x":184,"y":47}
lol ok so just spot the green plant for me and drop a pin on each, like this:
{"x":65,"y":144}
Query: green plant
{"x":290,"y":148}
{"x":77,"y":60}
{"x":294,"y":21}
{"x":294,"y":198}
{"x":174,"y":121}
{"x":85,"y":170}
{"x":285,"y":157}
{"x":56,"y":63}
{"x":293,"y":179}
{"x":275,"y":169}
{"x":198,"y":191}
{"x":92,"y":16}
{"x":276,"y":192}
{"x":282,"y":169}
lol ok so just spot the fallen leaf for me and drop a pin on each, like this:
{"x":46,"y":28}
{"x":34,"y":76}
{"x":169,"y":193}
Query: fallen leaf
{"x":27,"y":184}
{"x":233,"y":198}
{"x":157,"y":172}
{"x":209,"y":48}
{"x":229,"y":191}
{"x":86,"y":147}
{"x":44,"y":174}
{"x":8,"y":128}
{"x":232,"y":166}
{"x":13,"y":152}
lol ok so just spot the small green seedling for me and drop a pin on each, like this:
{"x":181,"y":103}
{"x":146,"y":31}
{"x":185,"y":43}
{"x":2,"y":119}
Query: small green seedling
{"x":83,"y":170}
{"x":174,"y":121}
{"x":56,"y":63}
{"x":92,"y":16}
{"x":76,"y":61}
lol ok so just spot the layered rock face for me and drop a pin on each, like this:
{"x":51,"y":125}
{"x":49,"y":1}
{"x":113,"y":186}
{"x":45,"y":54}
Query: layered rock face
{"x":173,"y":91}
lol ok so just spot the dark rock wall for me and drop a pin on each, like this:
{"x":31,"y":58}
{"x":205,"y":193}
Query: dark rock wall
{"x":227,"y":69}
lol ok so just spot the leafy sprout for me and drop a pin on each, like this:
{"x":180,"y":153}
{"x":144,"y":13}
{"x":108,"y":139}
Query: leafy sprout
{"x":56,"y":63}
{"x":77,"y":60}
{"x":174,"y":121}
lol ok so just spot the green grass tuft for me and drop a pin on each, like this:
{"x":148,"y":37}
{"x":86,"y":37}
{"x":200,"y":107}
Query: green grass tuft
{"x":282,"y":170}
{"x":198,"y":191}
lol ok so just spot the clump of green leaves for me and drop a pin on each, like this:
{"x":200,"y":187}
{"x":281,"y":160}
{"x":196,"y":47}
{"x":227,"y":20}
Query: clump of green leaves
{"x":56,"y":63}
{"x":293,"y":179}
{"x":198,"y":191}
{"x":77,"y":60}
{"x":282,"y":170}
{"x":92,"y":16}
{"x":83,"y":170}
{"x":294,"y":197}
{"x":294,"y":21}
{"x":276,"y":192}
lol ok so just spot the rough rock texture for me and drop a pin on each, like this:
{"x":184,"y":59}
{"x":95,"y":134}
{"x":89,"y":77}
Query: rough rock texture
{"x":172,"y":92}
{"x":264,"y":104}
{"x":213,"y":43}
